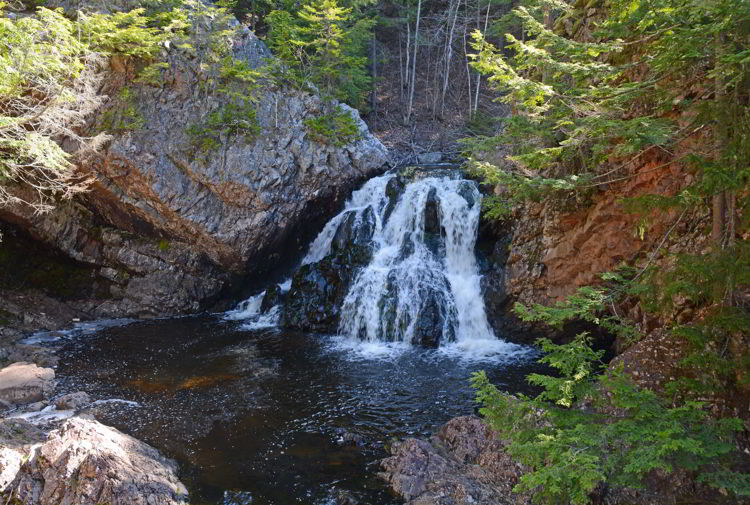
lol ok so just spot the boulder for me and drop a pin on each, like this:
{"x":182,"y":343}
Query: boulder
{"x":464,"y":464}
{"x":22,"y":383}
{"x":85,"y":463}
{"x":73,"y":401}
{"x":16,"y":438}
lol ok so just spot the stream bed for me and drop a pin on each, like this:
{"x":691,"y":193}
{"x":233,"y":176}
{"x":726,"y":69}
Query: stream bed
{"x":273,"y":416}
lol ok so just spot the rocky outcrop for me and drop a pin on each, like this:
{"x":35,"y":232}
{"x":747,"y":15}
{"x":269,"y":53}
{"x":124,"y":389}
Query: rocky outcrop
{"x":169,"y":224}
{"x":558,"y":246}
{"x":464,"y":463}
{"x":84,"y":463}
{"x":22,"y":383}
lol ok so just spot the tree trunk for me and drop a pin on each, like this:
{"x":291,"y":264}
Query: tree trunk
{"x":479,"y":75}
{"x":466,"y":55}
{"x":407,"y":119}
{"x":448,"y":57}
{"x":374,"y":73}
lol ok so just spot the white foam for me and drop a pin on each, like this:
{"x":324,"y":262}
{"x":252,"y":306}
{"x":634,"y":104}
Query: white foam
{"x":247,"y":309}
{"x":116,"y":400}
{"x":78,"y":329}
{"x":368,"y":350}
{"x":491,"y":350}
{"x":268,"y":319}
{"x":47,"y":415}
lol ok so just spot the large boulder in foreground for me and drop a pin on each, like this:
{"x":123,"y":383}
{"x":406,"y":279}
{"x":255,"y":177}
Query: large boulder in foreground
{"x":86,"y":463}
{"x":22,"y":383}
{"x":464,"y":464}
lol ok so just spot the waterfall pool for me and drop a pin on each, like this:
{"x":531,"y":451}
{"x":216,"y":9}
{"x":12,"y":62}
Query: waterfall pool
{"x":271,"y":416}
{"x":258,"y":414}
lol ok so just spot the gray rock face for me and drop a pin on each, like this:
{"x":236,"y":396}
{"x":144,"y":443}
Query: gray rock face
{"x":85,"y":463}
{"x":169,"y":224}
{"x":22,"y":383}
{"x":463,"y":464}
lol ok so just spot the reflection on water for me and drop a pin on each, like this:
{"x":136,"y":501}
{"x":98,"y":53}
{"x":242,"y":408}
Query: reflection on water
{"x":271,"y":417}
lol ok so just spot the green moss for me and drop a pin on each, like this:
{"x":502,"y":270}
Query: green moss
{"x":164,"y":245}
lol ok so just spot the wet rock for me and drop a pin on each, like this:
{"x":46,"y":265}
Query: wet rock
{"x":435,"y":323}
{"x":345,"y":497}
{"x":41,"y":356}
{"x":85,"y":462}
{"x":23,"y":383}
{"x":347,"y":438}
{"x":35,"y":407}
{"x":463,"y":464}
{"x":432,"y":229}
{"x":355,"y":229}
{"x":273,"y":297}
{"x":467,"y":190}
{"x":73,"y":401}
{"x":432,"y":213}
{"x":393,"y":190}
{"x":318,"y":290}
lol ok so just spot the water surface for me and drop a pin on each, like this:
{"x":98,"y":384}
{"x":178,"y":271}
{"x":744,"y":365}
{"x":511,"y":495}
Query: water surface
{"x":271,"y":416}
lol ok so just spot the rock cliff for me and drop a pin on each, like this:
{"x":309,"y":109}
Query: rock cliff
{"x":168,"y":225}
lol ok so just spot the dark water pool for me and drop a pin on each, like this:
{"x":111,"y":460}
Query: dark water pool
{"x":271,"y":417}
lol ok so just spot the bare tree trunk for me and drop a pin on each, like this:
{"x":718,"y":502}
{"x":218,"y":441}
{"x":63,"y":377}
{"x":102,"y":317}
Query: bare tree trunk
{"x":466,"y":55}
{"x":408,"y":59}
{"x":400,"y":70}
{"x":374,"y":73}
{"x":479,"y":75}
{"x":448,"y":57}
{"x":407,"y":119}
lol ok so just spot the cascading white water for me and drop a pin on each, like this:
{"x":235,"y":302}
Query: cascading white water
{"x":422,"y":284}
{"x":415,"y":269}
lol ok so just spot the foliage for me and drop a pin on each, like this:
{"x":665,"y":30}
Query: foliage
{"x":228,"y":120}
{"x":630,"y":432}
{"x":48,"y":82}
{"x":585,"y":112}
{"x":124,"y":115}
{"x":323,"y":44}
{"x":50,"y":70}
{"x":337,"y":128}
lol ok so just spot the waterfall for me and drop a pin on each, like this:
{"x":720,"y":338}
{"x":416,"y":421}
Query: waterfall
{"x":421,"y":284}
{"x":423,"y":272}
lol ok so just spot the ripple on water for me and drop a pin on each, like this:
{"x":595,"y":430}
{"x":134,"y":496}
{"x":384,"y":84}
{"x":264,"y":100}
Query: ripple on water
{"x":259,"y":416}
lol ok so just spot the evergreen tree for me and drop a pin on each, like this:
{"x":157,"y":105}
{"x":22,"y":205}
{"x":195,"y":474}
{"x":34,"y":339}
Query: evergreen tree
{"x":657,"y":79}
